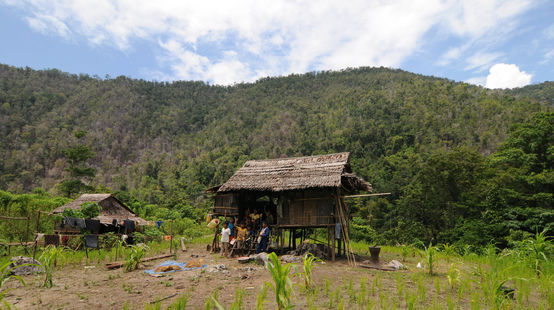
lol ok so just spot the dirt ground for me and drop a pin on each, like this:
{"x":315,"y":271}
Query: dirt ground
{"x":96,"y":287}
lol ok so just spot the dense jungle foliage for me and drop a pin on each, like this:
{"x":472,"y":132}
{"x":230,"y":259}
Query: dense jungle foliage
{"x":464,"y":164}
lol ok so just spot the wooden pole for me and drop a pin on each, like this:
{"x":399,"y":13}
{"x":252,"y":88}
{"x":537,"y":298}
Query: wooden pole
{"x":333,"y":246}
{"x":27,"y":233}
{"x":294,"y":238}
{"x":36,"y":235}
{"x":171,"y":237}
{"x":290,"y":238}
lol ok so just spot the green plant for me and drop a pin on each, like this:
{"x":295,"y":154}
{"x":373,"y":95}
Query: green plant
{"x":448,"y":250}
{"x":137,"y":252}
{"x":538,"y":249}
{"x":429,"y":253}
{"x":453,"y":276}
{"x":180,"y":303}
{"x":282,"y":284}
{"x":307,"y":266}
{"x":261,"y":298}
{"x":49,"y":260}
{"x":5,"y":276}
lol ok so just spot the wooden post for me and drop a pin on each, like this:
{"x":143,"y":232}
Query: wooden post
{"x":183,"y":247}
{"x":27,"y":233}
{"x":290,"y":237}
{"x":315,"y":234}
{"x":333,"y":246}
{"x":328,"y":237}
{"x":171,"y":237}
{"x":294,"y":239}
{"x":36,"y":232}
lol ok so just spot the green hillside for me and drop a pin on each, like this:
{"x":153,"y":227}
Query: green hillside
{"x":164,"y":143}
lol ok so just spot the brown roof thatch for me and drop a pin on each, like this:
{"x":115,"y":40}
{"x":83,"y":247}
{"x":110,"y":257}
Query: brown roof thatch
{"x":112,"y":208}
{"x":320,"y":171}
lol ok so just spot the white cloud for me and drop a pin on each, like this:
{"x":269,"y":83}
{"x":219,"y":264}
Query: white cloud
{"x":46,"y":24}
{"x":507,"y":76}
{"x":547,"y":56}
{"x":272,"y":37}
{"x":481,"y":60}
{"x":478,"y":80}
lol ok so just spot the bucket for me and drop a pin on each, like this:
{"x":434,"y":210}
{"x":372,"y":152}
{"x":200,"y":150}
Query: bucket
{"x":213,"y":223}
{"x":374,"y":251}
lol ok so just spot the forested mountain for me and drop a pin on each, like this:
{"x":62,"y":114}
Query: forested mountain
{"x":164,"y":143}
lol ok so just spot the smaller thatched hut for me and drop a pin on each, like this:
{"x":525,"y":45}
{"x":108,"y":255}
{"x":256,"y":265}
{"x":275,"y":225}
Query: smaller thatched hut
{"x":113,"y":211}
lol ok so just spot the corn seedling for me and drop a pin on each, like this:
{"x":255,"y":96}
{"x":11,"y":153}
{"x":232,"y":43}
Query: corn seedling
{"x":238,"y":303}
{"x":429,"y":255}
{"x":307,"y":266}
{"x":453,"y":276}
{"x":327,"y":285}
{"x":400,"y":285}
{"x":137,"y":252}
{"x":282,"y":284}
{"x":448,"y":250}
{"x":538,"y":249}
{"x":437,"y":283}
{"x":410,"y":300}
{"x":49,"y":260}
{"x":212,"y":302}
{"x":5,"y":276}
{"x":261,"y":298}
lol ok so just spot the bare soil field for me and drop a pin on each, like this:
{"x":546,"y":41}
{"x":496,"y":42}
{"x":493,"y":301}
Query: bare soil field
{"x":338,"y":285}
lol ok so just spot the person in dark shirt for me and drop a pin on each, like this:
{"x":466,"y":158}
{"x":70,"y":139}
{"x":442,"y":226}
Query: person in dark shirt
{"x":263,"y":239}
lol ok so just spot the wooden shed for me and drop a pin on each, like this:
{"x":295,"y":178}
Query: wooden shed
{"x":111,"y":209}
{"x":298,"y":192}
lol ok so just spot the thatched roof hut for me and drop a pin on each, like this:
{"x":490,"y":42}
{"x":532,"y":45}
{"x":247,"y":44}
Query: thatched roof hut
{"x":112,"y":208}
{"x":293,"y":194}
{"x":296,"y":173}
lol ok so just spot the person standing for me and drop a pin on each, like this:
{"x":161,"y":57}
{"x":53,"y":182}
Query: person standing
{"x":241,"y":238}
{"x":225,"y":233}
{"x":263,"y":238}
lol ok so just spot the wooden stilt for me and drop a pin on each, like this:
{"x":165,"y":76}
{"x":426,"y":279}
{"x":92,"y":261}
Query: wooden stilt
{"x":27,"y":233}
{"x":37,"y":229}
{"x":333,"y":246}
{"x":294,"y":239}
{"x":290,"y":238}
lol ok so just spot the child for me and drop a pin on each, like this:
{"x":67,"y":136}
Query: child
{"x":263,"y":238}
{"x":232,"y":228}
{"x":225,"y":233}
{"x":241,"y":237}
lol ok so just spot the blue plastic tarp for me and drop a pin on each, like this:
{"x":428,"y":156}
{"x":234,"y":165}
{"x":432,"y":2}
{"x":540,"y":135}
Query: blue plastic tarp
{"x":183,"y":266}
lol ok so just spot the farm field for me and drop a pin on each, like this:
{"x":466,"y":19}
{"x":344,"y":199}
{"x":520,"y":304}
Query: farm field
{"x":470,"y":281}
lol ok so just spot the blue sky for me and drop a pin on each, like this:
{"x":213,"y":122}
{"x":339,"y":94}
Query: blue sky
{"x":494,"y":43}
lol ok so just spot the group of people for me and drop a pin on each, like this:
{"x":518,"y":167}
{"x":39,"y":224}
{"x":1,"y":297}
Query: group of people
{"x":244,"y":234}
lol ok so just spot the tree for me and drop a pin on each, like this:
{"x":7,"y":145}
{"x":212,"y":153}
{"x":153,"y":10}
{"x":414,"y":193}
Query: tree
{"x":79,"y":170}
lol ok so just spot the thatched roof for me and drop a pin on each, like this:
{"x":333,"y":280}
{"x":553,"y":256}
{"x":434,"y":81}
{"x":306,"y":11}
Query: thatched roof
{"x":320,"y":171}
{"x":112,"y":208}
